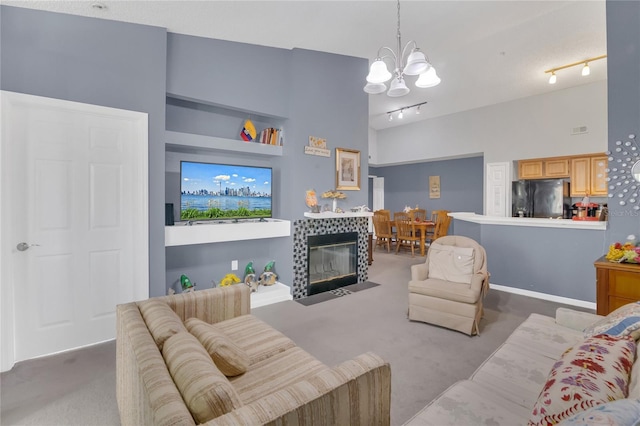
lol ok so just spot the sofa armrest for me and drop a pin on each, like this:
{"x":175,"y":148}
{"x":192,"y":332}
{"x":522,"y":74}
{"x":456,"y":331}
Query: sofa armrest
{"x":356,"y":392}
{"x":575,"y":320}
{"x":212,"y":305}
{"x":419,"y":272}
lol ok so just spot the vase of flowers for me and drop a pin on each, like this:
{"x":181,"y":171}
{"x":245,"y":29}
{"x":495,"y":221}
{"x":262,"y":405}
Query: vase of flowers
{"x":627,"y":252}
{"x":335,"y":196}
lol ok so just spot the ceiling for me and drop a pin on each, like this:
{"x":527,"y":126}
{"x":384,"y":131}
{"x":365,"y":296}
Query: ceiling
{"x":485,"y":52}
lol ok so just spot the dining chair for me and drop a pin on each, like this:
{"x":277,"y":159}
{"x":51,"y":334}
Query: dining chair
{"x":441,"y":219}
{"x":406,"y":235}
{"x":400,"y":216}
{"x":384,"y":212}
{"x":418,"y":214}
{"x":382,"y":228}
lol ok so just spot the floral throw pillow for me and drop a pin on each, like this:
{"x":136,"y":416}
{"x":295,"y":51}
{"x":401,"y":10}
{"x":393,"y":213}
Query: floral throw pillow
{"x":623,"y":412}
{"x":591,"y":373}
{"x":624,"y":321}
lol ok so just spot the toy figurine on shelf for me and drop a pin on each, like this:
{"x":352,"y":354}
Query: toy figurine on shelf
{"x":269,"y":276}
{"x":229,"y":279}
{"x":312,"y":201}
{"x":250,"y":277}
{"x":187,"y":285}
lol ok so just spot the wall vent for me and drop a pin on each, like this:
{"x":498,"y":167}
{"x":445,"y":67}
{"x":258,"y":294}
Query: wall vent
{"x":579,"y":130}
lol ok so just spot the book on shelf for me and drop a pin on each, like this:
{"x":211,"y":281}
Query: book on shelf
{"x":270,"y":136}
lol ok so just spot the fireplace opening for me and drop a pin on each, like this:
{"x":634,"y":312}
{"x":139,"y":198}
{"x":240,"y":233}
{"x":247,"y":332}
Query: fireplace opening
{"x":332,"y":261}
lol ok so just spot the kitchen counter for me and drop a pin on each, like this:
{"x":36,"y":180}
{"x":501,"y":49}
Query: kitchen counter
{"x":530,"y":221}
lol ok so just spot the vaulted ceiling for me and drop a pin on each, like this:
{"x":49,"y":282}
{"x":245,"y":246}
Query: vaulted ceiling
{"x":486,"y":52}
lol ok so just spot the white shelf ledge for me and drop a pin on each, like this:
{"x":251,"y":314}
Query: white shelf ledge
{"x":216,"y":232}
{"x":186,"y":142}
{"x":332,"y":215}
{"x":530,"y":221}
{"x":267,"y":295}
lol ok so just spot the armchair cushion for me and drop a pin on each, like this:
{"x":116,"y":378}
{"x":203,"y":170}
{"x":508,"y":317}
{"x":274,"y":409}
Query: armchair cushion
{"x":451,"y":263}
{"x":449,"y":290}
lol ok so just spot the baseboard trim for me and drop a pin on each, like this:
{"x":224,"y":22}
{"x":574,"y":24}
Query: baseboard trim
{"x":545,"y":296}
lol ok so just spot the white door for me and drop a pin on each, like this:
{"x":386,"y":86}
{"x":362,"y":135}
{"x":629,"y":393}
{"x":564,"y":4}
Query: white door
{"x":497,"y":190}
{"x":74,"y":222}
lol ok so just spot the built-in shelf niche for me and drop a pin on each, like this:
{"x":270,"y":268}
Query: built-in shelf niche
{"x":193,"y":125}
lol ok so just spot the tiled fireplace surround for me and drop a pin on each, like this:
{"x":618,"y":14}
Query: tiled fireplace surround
{"x":306,"y":227}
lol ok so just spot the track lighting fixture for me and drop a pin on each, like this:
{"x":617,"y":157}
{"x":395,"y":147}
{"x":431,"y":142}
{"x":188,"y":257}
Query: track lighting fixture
{"x":401,"y":111}
{"x":585,"y":68}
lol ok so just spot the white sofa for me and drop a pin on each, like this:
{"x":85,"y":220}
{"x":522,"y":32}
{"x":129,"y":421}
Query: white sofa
{"x":505,"y":388}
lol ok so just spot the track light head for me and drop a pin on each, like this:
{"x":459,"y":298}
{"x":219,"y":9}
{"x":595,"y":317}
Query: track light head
{"x":586,"y":70}
{"x":553,"y":78}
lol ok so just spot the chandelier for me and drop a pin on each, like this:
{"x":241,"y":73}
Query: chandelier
{"x":408,"y":61}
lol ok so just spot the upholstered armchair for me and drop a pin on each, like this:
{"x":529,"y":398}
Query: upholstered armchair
{"x":448,"y":289}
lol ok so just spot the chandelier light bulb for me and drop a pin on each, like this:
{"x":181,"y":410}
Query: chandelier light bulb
{"x":416,"y":63}
{"x":378,"y":72}
{"x":398,"y":88}
{"x":428,"y":79}
{"x":586,"y":70}
{"x":553,"y":78}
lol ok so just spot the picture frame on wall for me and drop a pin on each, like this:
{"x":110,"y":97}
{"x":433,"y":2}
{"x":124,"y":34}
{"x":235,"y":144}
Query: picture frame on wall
{"x":434,"y":186}
{"x":347,"y":169}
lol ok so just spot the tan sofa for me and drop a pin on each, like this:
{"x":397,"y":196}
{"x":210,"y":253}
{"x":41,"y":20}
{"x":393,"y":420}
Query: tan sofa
{"x":505,"y":388}
{"x":282,"y":384}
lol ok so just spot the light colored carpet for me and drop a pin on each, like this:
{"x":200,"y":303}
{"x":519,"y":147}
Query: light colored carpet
{"x":78,"y":387}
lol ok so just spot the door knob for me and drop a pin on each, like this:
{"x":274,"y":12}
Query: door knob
{"x":25,"y":246}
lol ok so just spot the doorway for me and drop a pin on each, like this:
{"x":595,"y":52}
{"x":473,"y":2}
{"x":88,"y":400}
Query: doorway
{"x":73,"y":222}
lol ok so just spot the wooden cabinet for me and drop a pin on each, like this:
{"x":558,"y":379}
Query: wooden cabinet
{"x":530,"y":169}
{"x":616,"y":285}
{"x":544,"y":168}
{"x":588,"y":176}
{"x":556,"y":168}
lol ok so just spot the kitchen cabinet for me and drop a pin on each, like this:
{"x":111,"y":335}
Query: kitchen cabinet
{"x":589,"y":176}
{"x":544,"y":168}
{"x":530,"y":169}
{"x":616,"y":285}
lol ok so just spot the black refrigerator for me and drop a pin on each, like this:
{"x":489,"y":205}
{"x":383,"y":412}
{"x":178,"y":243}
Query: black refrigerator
{"x":548,"y":198}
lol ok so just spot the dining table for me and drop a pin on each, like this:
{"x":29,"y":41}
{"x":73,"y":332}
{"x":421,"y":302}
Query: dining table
{"x":422,"y":226}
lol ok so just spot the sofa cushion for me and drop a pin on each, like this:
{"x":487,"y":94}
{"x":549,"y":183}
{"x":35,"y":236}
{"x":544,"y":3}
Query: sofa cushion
{"x":624,"y":321}
{"x":515,"y":373}
{"x":623,"y":412}
{"x":275,"y":373}
{"x":470,"y":403}
{"x":161,"y":320}
{"x":228,"y":357}
{"x":205,"y":390}
{"x":451,"y":263}
{"x":542,"y":335}
{"x":593,"y":372}
{"x":258,"y":339}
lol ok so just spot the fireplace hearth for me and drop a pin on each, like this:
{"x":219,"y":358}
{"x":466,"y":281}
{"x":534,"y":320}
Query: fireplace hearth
{"x":332,"y":261}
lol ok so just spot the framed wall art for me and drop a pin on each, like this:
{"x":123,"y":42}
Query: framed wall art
{"x":347,"y":169}
{"x":434,"y":186}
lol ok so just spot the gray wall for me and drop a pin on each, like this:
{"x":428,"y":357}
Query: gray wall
{"x":308,"y":93}
{"x":99,"y":62}
{"x":461,"y":185}
{"x":133,"y":67}
{"x":623,"y":68}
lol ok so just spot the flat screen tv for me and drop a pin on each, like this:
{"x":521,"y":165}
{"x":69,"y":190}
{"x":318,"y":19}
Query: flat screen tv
{"x":224,"y":191}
